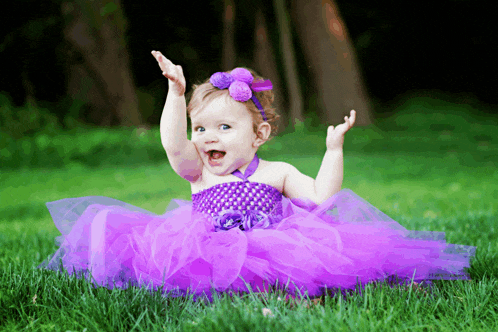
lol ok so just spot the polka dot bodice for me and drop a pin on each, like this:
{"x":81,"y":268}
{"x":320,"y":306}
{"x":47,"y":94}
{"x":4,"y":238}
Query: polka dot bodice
{"x":240,"y":195}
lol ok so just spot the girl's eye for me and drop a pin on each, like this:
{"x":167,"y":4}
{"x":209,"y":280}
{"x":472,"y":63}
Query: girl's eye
{"x":199,"y":129}
{"x":225,"y":127}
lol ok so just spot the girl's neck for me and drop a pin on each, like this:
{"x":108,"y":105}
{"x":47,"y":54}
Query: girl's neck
{"x":248,"y":169}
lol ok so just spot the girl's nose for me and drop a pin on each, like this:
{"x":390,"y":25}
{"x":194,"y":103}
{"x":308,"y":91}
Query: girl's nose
{"x":210,"y":137}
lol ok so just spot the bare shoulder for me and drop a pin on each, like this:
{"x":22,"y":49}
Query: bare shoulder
{"x":284,"y":168}
{"x":272,"y":173}
{"x":274,"y":167}
{"x":295,"y":183}
{"x":286,"y":178}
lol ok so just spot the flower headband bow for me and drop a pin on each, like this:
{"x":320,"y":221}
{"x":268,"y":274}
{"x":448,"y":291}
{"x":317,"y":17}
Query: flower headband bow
{"x":240,"y":84}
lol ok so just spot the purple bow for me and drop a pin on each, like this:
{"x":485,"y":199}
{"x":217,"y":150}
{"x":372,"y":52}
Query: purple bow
{"x":240,"y":84}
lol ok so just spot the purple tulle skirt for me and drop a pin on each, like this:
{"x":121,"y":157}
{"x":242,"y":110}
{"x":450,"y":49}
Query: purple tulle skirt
{"x":340,"y":244}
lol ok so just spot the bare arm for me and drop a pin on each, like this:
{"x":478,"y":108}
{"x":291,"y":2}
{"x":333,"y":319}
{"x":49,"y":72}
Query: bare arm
{"x":329,"y":179}
{"x":327,"y":183}
{"x":181,"y":152}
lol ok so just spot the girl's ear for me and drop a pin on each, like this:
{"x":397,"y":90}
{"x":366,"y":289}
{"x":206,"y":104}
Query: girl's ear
{"x":262,"y":134}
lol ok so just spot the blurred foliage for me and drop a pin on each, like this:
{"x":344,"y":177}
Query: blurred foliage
{"x":18,"y":122}
{"x":150,"y":108}
{"x":90,"y":147}
{"x":435,"y":128}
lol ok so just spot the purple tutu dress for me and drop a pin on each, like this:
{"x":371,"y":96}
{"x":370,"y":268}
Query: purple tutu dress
{"x":240,"y":235}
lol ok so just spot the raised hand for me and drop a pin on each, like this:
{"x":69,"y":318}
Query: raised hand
{"x":335,"y":136}
{"x":172,"y":72}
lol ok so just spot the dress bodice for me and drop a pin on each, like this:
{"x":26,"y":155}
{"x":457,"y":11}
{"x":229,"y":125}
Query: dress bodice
{"x":242,"y":198}
{"x":238,"y":195}
{"x":241,"y":204}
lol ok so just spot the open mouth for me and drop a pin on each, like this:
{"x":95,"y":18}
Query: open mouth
{"x":215,"y":157}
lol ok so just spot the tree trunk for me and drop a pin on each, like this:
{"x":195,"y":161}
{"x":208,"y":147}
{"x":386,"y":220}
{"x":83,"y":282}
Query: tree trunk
{"x":29,"y":88}
{"x":102,"y":78}
{"x":328,"y":50}
{"x":264,"y":58}
{"x":229,"y":54}
{"x":285,"y":33}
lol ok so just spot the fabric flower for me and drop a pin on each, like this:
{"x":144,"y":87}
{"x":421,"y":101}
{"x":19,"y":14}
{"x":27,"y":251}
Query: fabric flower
{"x":240,"y":91}
{"x":243,"y":75}
{"x":221,"y":80}
{"x":256,"y":219}
{"x":228,"y":219}
{"x":240,"y":84}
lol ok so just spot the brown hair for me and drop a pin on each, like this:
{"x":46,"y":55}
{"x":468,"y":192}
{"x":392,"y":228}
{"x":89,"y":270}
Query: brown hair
{"x":206,"y":92}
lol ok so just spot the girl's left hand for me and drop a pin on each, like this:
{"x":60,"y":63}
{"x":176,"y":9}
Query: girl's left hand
{"x":335,"y":136}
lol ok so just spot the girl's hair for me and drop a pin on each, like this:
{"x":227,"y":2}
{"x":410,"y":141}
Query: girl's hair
{"x":206,"y":92}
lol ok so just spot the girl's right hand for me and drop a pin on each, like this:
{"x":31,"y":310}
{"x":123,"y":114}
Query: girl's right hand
{"x":172,"y":72}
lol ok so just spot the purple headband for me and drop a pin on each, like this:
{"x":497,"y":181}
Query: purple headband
{"x":241,"y":86}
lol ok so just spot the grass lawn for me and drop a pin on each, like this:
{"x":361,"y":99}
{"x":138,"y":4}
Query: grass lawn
{"x":427,"y":178}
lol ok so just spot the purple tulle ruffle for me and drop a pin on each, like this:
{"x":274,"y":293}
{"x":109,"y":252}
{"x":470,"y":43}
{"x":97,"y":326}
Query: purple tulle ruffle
{"x":341,"y":243}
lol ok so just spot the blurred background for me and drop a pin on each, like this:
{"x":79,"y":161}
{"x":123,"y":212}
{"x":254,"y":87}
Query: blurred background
{"x":81,"y":98}
{"x":74,"y":66}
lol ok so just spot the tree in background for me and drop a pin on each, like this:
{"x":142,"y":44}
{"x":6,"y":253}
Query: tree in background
{"x":46,"y":67}
{"x":290,"y":67}
{"x":87,"y":60}
{"x":228,"y":56}
{"x":264,"y":54}
{"x":98,"y":61}
{"x":336,"y":78}
{"x":265,"y":62}
{"x":336,"y":83}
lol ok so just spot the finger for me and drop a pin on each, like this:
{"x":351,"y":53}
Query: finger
{"x":161,"y":58}
{"x":179,"y":70}
{"x":170,"y":76}
{"x":157,"y":55}
{"x":353,"y":117}
{"x":167,"y":61}
{"x":346,"y":121}
{"x":168,"y":66}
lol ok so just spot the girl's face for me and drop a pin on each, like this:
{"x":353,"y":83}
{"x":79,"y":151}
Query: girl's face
{"x":223,"y":134}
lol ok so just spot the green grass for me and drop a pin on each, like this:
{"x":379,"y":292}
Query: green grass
{"x":433,"y":172}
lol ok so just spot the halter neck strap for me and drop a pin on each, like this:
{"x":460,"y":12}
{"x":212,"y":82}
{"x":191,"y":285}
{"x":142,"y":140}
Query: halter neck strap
{"x":249,"y":170}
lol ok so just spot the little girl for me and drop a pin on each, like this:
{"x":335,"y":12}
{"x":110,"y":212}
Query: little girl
{"x":252,"y":224}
